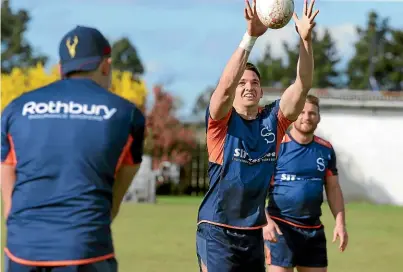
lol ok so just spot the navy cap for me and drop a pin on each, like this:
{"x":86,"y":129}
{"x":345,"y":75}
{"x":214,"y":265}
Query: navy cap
{"x":82,"y":49}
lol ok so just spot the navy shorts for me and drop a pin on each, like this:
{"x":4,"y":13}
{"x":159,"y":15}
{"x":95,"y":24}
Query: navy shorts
{"x":222,"y":249}
{"x":298,"y":247}
{"x":109,"y":265}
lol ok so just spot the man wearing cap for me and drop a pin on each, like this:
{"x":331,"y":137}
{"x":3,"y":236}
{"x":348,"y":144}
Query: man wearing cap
{"x":69,"y":152}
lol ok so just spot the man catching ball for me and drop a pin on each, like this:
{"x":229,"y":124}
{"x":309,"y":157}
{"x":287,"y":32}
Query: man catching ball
{"x":242,"y":142}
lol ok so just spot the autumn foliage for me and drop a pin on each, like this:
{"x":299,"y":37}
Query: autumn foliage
{"x":21,"y":81}
{"x":167,"y":139}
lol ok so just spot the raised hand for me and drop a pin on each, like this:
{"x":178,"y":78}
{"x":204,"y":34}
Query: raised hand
{"x":305,"y":25}
{"x":255,"y":27}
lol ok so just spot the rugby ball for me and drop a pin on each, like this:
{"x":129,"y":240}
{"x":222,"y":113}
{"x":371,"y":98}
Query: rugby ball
{"x":275,"y":14}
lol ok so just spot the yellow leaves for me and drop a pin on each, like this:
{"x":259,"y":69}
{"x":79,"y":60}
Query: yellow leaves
{"x":19,"y":82}
{"x":124,"y":85}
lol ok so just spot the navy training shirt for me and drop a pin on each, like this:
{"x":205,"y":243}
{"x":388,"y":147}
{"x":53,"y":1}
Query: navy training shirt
{"x":242,"y":155}
{"x":66,"y":140}
{"x":296,"y":193}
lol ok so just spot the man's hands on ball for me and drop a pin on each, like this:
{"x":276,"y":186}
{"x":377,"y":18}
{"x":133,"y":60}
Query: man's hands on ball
{"x":255,"y":27}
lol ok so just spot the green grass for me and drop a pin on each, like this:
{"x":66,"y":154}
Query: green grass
{"x":161,"y":237}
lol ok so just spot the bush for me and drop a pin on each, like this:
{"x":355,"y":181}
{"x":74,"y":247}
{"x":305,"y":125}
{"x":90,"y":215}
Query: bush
{"x":167,"y":138}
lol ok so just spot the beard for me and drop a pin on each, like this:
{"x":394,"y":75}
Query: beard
{"x":305,"y":128}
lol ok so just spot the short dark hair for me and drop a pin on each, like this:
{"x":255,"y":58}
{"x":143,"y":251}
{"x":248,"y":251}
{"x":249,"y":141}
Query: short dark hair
{"x":251,"y":67}
{"x":314,"y":100}
{"x":79,"y":73}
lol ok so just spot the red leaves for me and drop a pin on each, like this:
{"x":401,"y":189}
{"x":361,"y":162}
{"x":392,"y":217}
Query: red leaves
{"x":167,"y":138}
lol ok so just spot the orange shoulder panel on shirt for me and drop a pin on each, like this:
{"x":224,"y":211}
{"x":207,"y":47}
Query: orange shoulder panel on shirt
{"x":11,"y":158}
{"x":286,"y":138}
{"x":282,"y":125}
{"x":322,"y":142}
{"x":126,"y":157}
{"x":329,"y":173}
{"x":216,"y":134}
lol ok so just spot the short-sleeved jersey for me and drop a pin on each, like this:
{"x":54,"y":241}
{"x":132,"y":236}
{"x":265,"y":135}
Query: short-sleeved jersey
{"x":66,"y":140}
{"x":242,"y":156}
{"x":296,"y":192}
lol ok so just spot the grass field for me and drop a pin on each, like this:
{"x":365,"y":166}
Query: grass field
{"x":161,"y":237}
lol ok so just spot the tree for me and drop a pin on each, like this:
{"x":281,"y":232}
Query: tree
{"x":271,"y":69}
{"x":393,"y":60}
{"x":278,"y":72}
{"x":167,"y":139}
{"x":15,"y":50}
{"x":290,"y":70}
{"x":202,"y":101}
{"x":326,"y":58}
{"x":125,"y":57}
{"x":368,"y":63}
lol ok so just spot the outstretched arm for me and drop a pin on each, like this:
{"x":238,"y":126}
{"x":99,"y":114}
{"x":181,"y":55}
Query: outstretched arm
{"x":293,"y":99}
{"x":223,"y":96}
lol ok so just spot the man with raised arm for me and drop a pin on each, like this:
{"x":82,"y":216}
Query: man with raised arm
{"x":242,"y":143}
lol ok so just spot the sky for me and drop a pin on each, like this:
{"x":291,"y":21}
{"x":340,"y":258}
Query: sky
{"x":185,"y":44}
